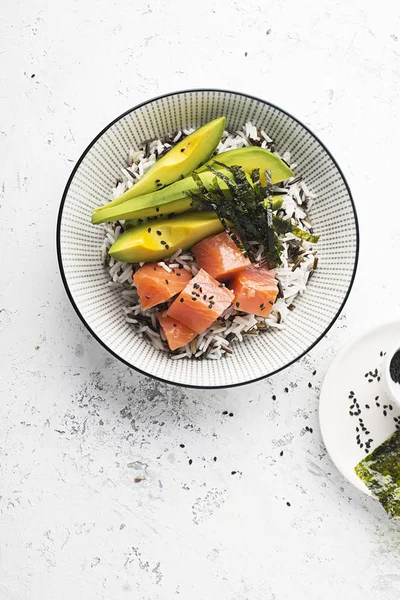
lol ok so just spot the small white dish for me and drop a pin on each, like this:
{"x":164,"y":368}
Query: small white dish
{"x":392,"y":387}
{"x":354,"y":400}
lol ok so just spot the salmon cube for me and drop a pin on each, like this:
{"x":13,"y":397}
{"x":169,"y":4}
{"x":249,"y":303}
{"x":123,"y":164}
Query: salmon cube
{"x":177,"y":334}
{"x":255,"y":290}
{"x":220,"y":257}
{"x":155,"y":285}
{"x":201,"y":302}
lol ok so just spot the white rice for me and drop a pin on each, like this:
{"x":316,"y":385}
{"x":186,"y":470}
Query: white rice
{"x":232,"y":327}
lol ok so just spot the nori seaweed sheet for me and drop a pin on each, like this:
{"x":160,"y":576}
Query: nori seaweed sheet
{"x":380,"y":471}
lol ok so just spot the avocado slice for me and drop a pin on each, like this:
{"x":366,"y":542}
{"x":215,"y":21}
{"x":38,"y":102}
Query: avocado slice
{"x":253,"y":157}
{"x":178,"y":162}
{"x":172,"y":199}
{"x":151,"y":243}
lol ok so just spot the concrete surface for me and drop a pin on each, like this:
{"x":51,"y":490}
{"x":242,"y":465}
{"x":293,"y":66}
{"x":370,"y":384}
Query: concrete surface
{"x":97,"y":498}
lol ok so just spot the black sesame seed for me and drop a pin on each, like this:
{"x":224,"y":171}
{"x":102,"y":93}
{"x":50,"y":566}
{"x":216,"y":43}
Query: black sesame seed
{"x":182,"y":300}
{"x":181,"y":266}
{"x":271,"y":303}
{"x":215,"y":459}
{"x":157,"y":209}
{"x":225,"y":412}
{"x":231,"y":414}
{"x":385,"y":413}
{"x":361,"y":445}
{"x":178,"y":275}
{"x":147,"y":297}
{"x":273,"y":397}
{"x":175,"y":325}
{"x":286,"y":389}
{"x":377,"y":404}
{"x":370,"y":380}
{"x":205,"y":297}
{"x":378,"y":379}
{"x":182,"y":445}
{"x":352,"y":393}
{"x":194,"y":299}
{"x":350,"y":413}
{"x":366,"y":451}
{"x":190,"y":461}
{"x":166,"y":247}
{"x":288,"y":504}
{"x":309,"y":384}
{"x":149,"y":230}
{"x":281,"y":453}
{"x":367,"y":406}
{"x":311,"y":430}
{"x":366,"y":375}
{"x":233,"y":472}
{"x":390,"y":407}
{"x":158,"y":232}
{"x":157,"y":181}
{"x":182,"y":149}
{"x":314,"y":372}
{"x":167,"y":282}
{"x":385,"y":406}
{"x":357,"y":429}
{"x":163,"y":242}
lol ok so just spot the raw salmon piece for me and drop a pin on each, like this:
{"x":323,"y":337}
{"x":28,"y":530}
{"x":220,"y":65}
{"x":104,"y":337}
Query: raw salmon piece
{"x":255,"y":290}
{"x":177,"y":334}
{"x":155,"y":285}
{"x":219,"y":256}
{"x":201,"y":302}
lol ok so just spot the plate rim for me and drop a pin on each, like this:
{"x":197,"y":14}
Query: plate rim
{"x":65,"y":282}
{"x":352,"y":342}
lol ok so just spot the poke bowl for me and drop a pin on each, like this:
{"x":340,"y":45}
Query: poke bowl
{"x":207,"y":238}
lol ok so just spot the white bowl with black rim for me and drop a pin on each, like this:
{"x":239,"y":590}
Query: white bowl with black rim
{"x":99,"y":306}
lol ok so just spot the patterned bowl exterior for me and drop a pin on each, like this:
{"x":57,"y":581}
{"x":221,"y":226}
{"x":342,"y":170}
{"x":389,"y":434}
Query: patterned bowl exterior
{"x":99,"y":307}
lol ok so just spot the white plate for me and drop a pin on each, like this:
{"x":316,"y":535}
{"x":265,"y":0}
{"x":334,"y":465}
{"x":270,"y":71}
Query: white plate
{"x":347,"y":374}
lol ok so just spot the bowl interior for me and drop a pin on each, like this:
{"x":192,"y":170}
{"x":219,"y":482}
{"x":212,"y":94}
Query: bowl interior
{"x":99,"y":306}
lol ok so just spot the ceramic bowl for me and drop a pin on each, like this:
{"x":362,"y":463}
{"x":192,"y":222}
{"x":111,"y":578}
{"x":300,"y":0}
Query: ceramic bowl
{"x":79,"y":242}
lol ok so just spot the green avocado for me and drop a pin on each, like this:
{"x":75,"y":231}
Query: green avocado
{"x":172,"y":199}
{"x":151,"y":243}
{"x":180,"y":161}
{"x":253,"y":157}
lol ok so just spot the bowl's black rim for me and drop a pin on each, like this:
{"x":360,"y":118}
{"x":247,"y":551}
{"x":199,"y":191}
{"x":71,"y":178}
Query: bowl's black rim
{"x":64,"y":279}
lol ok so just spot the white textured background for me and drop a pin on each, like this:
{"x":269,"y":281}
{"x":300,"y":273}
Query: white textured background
{"x":77,"y":427}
